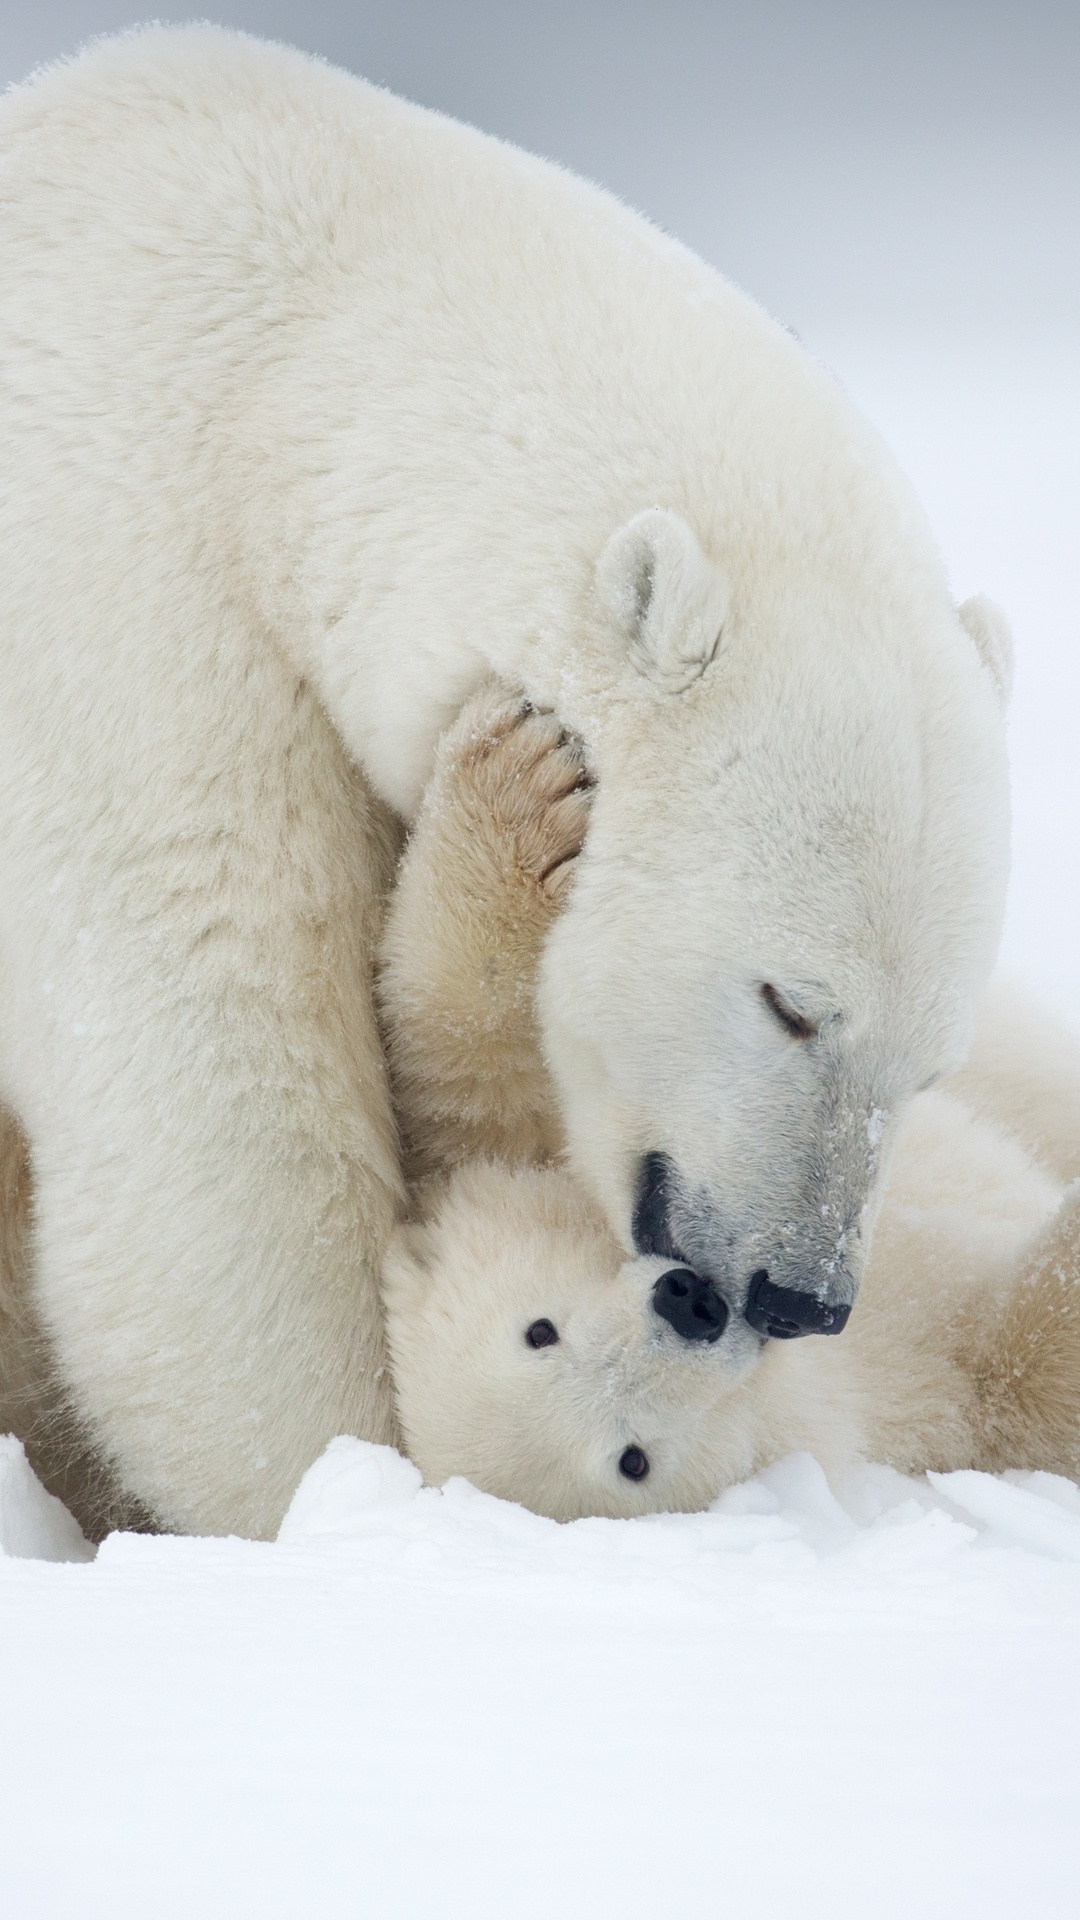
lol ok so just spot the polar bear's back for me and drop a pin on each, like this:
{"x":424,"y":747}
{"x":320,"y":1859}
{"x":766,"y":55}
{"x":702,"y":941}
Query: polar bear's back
{"x":240,"y":276}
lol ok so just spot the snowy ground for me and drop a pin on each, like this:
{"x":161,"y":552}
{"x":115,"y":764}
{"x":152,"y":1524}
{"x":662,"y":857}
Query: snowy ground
{"x":424,"y":1704}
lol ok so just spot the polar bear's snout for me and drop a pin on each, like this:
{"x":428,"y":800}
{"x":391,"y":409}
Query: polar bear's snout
{"x":786,"y":1313}
{"x":690,"y":1305}
{"x":693,"y":1305}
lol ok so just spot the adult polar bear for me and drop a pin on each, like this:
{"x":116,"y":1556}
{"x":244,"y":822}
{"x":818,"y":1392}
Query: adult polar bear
{"x":317,"y":409}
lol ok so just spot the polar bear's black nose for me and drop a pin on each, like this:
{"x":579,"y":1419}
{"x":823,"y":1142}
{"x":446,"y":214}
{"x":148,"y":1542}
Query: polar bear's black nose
{"x":786,"y":1313}
{"x":690,"y":1304}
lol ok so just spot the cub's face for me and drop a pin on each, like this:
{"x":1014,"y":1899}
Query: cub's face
{"x":530,"y":1357}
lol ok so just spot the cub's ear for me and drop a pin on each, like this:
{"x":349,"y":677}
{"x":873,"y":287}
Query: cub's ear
{"x":989,"y":629}
{"x":668,"y":601}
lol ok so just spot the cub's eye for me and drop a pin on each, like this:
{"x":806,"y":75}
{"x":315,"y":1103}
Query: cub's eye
{"x":542,"y":1334}
{"x":633,"y":1464}
{"x":791,"y":1021}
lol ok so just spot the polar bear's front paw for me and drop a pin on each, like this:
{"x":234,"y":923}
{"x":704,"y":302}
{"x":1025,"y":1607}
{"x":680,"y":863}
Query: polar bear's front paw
{"x":486,"y":869}
{"x":544,"y":798}
{"x":529,"y":792}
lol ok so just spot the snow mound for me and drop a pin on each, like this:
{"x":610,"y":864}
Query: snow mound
{"x":33,"y":1525}
{"x":788,"y":1518}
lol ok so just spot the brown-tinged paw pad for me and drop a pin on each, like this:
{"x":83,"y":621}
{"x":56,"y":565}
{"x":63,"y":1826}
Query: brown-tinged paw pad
{"x":530,"y":776}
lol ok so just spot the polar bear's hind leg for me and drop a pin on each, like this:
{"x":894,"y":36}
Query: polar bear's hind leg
{"x":1028,"y":1380}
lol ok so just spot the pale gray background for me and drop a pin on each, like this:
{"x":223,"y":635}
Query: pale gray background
{"x":899,"y":182}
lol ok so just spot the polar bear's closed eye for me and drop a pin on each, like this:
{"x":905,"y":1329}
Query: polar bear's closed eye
{"x":787,"y":1016}
{"x":668,"y":600}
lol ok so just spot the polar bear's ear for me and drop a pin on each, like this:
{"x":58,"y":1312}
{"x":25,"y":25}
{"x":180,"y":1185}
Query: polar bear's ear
{"x":668,"y":601}
{"x":989,"y":629}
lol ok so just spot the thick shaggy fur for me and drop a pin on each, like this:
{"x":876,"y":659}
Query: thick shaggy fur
{"x":963,"y":1349}
{"x":316,"y":410}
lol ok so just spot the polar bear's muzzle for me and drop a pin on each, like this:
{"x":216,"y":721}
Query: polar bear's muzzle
{"x":786,"y":1313}
{"x":693,"y":1304}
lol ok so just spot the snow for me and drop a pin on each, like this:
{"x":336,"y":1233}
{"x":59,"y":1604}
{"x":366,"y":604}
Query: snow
{"x":845,"y":1702}
{"x":33,"y":1525}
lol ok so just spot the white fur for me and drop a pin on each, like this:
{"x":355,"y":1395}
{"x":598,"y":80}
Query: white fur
{"x":319,"y":408}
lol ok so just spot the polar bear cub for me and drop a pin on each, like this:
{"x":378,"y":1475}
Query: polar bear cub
{"x":532,"y":1355}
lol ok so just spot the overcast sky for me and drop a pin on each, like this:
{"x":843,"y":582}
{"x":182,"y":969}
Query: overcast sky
{"x":855,"y":164}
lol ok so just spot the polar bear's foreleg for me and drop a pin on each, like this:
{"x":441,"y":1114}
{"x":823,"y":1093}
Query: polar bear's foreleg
{"x":33,"y":1401}
{"x":208,"y":1221}
{"x":486,"y":870}
{"x":190,"y":1045}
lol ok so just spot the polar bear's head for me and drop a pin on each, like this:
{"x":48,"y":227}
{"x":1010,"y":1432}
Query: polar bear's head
{"x":532,"y":1358}
{"x":790,"y":898}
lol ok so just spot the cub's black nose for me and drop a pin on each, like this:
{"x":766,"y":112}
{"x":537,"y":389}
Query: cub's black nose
{"x":690,"y":1304}
{"x":786,"y":1313}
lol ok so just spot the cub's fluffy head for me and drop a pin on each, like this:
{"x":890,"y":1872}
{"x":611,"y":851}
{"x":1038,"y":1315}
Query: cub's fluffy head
{"x":528,"y":1357}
